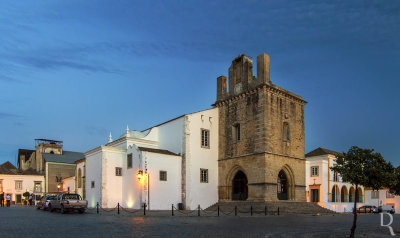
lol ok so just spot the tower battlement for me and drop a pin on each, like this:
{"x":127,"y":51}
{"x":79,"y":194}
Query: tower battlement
{"x":241,"y":76}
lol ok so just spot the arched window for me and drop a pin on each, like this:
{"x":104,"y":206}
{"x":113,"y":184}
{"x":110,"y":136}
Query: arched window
{"x":79,"y":178}
{"x":286,"y":131}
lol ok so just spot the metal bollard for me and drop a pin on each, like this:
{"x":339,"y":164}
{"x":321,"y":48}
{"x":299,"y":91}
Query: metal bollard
{"x":235,"y":210}
{"x":118,"y":208}
{"x":198,"y":210}
{"x":144,"y":209}
{"x":265,"y":210}
{"x":251,"y":210}
{"x":97,"y":206}
{"x":172,"y":210}
{"x":218,"y":210}
{"x":278,"y":211}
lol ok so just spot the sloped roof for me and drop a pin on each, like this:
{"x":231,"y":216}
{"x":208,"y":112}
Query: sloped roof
{"x":8,"y":165}
{"x":8,"y":168}
{"x":67,"y":157}
{"x":159,"y":151}
{"x":321,"y":151}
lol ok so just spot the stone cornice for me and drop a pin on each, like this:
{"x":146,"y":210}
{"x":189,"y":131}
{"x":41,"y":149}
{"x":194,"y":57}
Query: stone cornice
{"x":101,"y":148}
{"x":259,"y":153}
{"x":123,"y":139}
{"x":270,"y":88}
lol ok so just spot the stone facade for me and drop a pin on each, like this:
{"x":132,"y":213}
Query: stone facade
{"x":270,"y":123}
{"x":55,"y":172}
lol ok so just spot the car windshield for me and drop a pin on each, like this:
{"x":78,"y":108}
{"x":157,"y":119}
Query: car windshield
{"x":71,"y":196}
{"x":51,"y":197}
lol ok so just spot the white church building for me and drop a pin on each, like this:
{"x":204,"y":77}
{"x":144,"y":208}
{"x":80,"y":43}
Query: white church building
{"x":173,"y":163}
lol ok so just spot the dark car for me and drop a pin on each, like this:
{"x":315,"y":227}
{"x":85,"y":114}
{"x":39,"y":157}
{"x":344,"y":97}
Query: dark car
{"x":367,"y":209}
{"x":43,"y":203}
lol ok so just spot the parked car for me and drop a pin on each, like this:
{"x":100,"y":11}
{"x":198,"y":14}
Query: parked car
{"x":68,"y":202}
{"x":386,"y":208}
{"x":367,"y":209}
{"x":43,"y":203}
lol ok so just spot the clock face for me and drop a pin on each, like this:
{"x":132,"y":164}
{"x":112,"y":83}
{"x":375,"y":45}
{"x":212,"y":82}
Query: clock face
{"x":238,"y":88}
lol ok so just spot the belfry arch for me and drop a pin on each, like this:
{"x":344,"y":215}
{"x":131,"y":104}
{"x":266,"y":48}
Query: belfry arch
{"x":285,"y":184}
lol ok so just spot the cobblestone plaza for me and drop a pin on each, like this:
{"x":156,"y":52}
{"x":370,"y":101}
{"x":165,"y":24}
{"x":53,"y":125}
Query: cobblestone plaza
{"x":29,"y":222}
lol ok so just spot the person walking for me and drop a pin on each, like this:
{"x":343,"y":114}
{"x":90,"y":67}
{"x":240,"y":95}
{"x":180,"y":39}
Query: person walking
{"x":30,"y":200}
{"x":2,"y":199}
{"x":8,"y":198}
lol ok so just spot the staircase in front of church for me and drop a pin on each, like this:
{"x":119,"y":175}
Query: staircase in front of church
{"x":285,"y":207}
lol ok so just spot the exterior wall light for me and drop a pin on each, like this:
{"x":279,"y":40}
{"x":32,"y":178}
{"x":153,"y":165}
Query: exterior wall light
{"x":140,"y":174}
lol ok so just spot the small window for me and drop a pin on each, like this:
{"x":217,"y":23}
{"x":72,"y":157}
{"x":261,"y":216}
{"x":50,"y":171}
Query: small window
{"x":374,"y":194}
{"x":18,"y":185}
{"x":129,"y":161}
{"x":286,"y":131}
{"x":205,"y":138}
{"x":92,"y":184}
{"x":163,"y":175}
{"x":118,"y":171}
{"x":314,"y":171}
{"x":236,"y":134}
{"x":204,"y":175}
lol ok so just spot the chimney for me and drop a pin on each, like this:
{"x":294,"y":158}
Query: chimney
{"x":263,"y":69}
{"x":221,"y":87}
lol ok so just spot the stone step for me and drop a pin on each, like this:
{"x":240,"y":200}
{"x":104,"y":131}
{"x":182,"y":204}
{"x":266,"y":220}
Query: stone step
{"x":287,"y":207}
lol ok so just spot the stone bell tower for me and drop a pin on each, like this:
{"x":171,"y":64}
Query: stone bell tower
{"x":261,"y":135}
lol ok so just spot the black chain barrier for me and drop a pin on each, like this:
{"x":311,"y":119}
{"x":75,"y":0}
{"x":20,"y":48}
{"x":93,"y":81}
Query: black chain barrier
{"x":199,"y":210}
{"x":182,"y":212}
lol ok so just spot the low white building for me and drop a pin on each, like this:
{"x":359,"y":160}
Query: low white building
{"x":68,"y":185}
{"x":382,"y":197}
{"x":177,"y":162}
{"x":326,"y":188}
{"x":15,"y":182}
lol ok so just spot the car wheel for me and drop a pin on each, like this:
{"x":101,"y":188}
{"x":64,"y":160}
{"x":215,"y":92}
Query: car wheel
{"x":62,"y":210}
{"x":81,"y":211}
{"x":38,"y":207}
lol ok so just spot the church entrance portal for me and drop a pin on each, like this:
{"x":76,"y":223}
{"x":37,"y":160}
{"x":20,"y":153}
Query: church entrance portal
{"x":283,"y":186}
{"x":239,"y":186}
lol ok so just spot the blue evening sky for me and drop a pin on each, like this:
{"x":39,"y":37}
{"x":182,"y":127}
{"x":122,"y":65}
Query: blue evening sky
{"x":76,"y":70}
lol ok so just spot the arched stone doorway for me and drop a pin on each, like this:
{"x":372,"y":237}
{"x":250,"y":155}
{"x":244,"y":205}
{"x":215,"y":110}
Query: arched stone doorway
{"x":283,"y":186}
{"x":352,"y":194}
{"x":239,"y":186}
{"x":344,"y":195}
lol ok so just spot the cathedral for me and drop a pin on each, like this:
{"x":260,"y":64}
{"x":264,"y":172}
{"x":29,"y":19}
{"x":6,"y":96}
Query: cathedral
{"x":248,"y":146}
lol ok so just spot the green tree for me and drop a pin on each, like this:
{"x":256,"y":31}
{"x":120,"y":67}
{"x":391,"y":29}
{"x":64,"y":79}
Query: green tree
{"x":363,"y":167}
{"x":395,"y":186}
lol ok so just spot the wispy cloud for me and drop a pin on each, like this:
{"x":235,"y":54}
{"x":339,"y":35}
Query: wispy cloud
{"x":5,"y":115}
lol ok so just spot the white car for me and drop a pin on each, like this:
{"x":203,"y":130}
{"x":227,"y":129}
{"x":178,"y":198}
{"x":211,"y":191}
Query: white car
{"x":386,"y":208}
